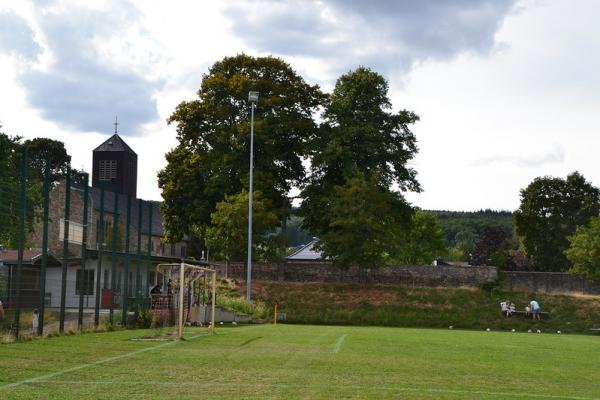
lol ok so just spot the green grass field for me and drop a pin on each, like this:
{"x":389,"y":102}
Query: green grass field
{"x":292,"y":361}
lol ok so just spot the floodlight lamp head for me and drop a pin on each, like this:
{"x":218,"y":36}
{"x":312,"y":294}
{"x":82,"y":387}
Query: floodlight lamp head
{"x":252,"y":97}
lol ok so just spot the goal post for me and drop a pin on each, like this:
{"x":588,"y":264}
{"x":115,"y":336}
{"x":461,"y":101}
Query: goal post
{"x":182,"y":280}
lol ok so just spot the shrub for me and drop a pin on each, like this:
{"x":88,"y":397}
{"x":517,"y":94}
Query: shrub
{"x":256,"y":309}
{"x":141,"y":318}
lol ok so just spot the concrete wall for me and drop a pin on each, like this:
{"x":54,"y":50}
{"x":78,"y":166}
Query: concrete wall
{"x":548,"y":282}
{"x":410,"y":275}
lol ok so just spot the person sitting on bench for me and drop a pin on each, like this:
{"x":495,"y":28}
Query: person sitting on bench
{"x":512,"y":308}
{"x":535,"y":309}
{"x":505,"y":307}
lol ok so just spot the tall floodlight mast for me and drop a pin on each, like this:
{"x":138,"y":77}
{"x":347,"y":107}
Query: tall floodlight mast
{"x":253,"y":99}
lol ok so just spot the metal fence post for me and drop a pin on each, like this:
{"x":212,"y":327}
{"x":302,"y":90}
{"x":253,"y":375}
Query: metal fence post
{"x":149,"y":261}
{"x":65,"y":259}
{"x":42,"y":305}
{"x":83,"y":286}
{"x":100,"y":241}
{"x":113,"y":272}
{"x":21,"y":240}
{"x":138,"y":288}
{"x":126,"y":280}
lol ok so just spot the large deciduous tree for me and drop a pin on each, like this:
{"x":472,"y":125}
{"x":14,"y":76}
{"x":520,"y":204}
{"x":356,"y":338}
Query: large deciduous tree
{"x":43,"y":150}
{"x":423,"y":241}
{"x":367,"y":223}
{"x":493,"y":248}
{"x":9,"y":189}
{"x":550,"y":211}
{"x":584,"y":250}
{"x":39,"y":152}
{"x":212,"y":158}
{"x":362,"y":147}
{"x":228,"y":233}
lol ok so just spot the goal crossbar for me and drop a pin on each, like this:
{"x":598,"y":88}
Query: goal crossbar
{"x":199,"y":272}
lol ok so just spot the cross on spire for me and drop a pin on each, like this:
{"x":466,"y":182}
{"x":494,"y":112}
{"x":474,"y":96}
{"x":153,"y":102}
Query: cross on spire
{"x":116,"y":124}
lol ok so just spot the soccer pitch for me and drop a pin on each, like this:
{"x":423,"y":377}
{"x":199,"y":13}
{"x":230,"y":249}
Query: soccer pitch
{"x":292,"y":361}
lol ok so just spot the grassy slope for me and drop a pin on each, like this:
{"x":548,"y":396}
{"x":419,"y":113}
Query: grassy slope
{"x":291,"y":361}
{"x":339,"y":304}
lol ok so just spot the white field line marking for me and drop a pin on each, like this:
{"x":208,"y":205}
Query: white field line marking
{"x":99,"y":362}
{"x":339,"y":342}
{"x":351,"y":387}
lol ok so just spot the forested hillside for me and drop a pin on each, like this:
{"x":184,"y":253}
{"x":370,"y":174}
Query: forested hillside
{"x":462,"y":226}
{"x":458,"y":225}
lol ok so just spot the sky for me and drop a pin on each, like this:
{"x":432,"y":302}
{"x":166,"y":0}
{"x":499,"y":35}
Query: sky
{"x":507,"y":90}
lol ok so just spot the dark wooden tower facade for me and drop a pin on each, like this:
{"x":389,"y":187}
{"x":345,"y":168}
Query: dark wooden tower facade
{"x":115,"y":167}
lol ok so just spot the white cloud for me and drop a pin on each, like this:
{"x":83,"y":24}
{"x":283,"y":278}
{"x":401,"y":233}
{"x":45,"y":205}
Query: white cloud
{"x":521,"y":100}
{"x":503,"y":98}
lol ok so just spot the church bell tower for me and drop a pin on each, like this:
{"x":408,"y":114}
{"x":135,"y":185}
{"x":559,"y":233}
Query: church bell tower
{"x":115,"y":166}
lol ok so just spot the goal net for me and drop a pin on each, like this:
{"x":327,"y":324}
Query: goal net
{"x":184,"y":296}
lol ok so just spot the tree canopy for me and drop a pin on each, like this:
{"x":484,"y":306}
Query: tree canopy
{"x":212,"y":158}
{"x":493,"y":248}
{"x":228,"y":233}
{"x":367,"y":223}
{"x":362,"y":150}
{"x":584,"y":250}
{"x":39,"y":151}
{"x":550,"y":211}
{"x":424,"y":240}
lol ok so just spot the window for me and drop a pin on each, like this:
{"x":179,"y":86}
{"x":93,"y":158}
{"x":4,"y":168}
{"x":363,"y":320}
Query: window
{"x":183,"y":251}
{"x":173,"y":249}
{"x":107,"y":170}
{"x":75,"y":232}
{"x":87,"y":279}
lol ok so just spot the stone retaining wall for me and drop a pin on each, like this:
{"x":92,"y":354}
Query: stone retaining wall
{"x":409,"y":275}
{"x":415,"y":275}
{"x":548,"y":282}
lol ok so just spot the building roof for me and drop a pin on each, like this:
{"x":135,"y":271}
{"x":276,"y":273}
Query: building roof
{"x":306,"y":252}
{"x":10,"y":256}
{"x":115,"y":143}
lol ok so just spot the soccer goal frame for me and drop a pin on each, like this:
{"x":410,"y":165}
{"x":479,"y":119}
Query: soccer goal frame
{"x":195,"y":273}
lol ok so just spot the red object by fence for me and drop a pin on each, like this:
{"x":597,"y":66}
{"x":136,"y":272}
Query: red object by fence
{"x":106,"y":298}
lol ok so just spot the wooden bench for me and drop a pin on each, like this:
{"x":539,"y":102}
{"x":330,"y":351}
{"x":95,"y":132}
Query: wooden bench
{"x":597,"y":330}
{"x":522,"y":313}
